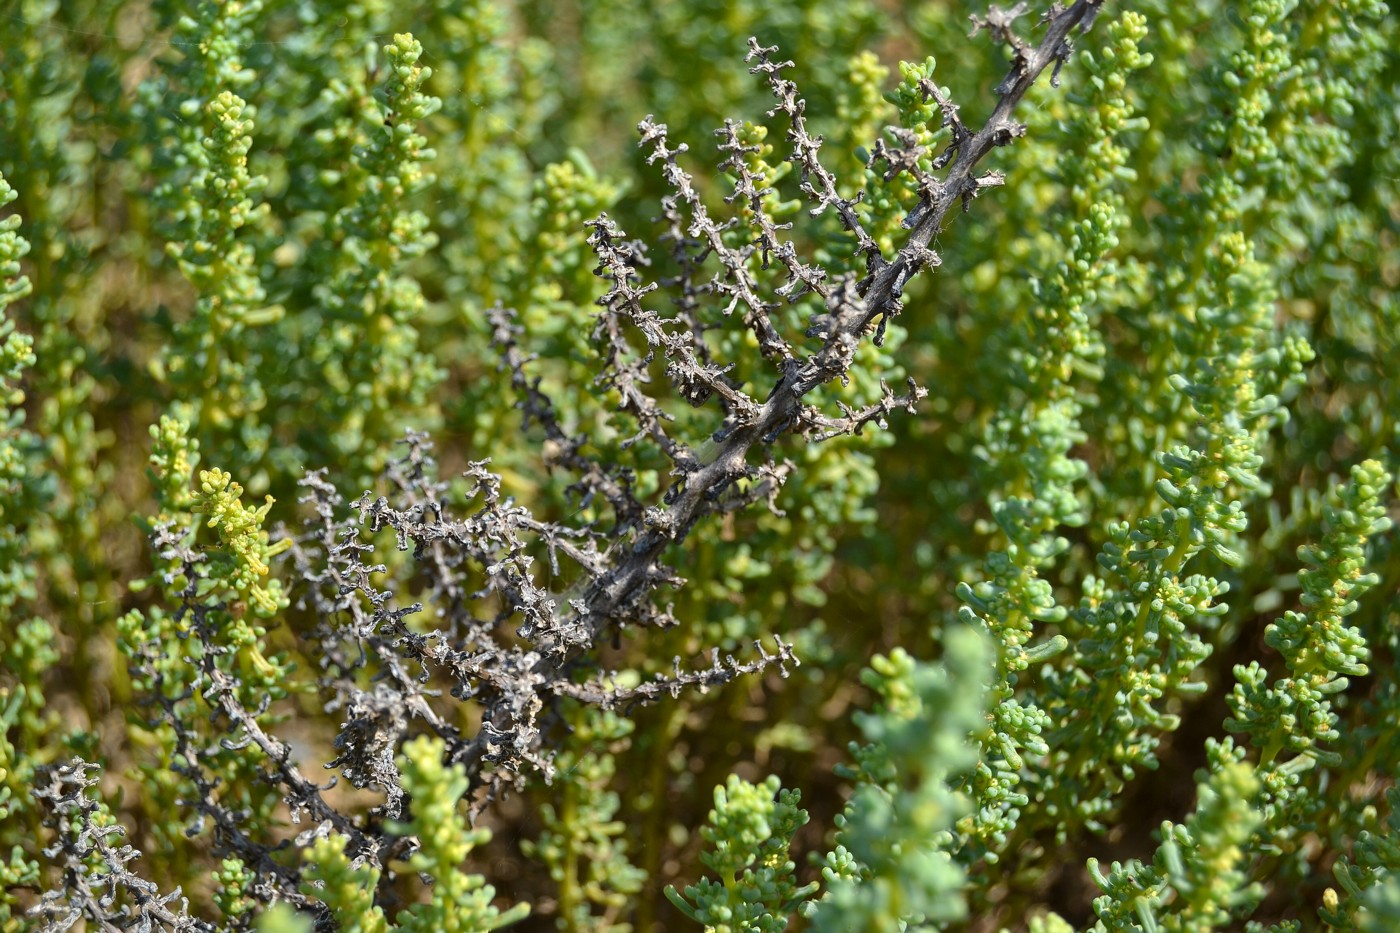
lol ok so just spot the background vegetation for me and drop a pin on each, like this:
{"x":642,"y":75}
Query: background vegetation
{"x":1153,"y":466}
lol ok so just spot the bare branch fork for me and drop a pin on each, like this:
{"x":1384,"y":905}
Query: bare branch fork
{"x":516,"y":680}
{"x":853,"y":308}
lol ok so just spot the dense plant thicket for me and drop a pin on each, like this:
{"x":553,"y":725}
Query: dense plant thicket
{"x":432,"y":499}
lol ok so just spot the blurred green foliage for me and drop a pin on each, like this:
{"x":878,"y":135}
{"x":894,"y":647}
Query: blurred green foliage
{"x":1155,"y":465}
